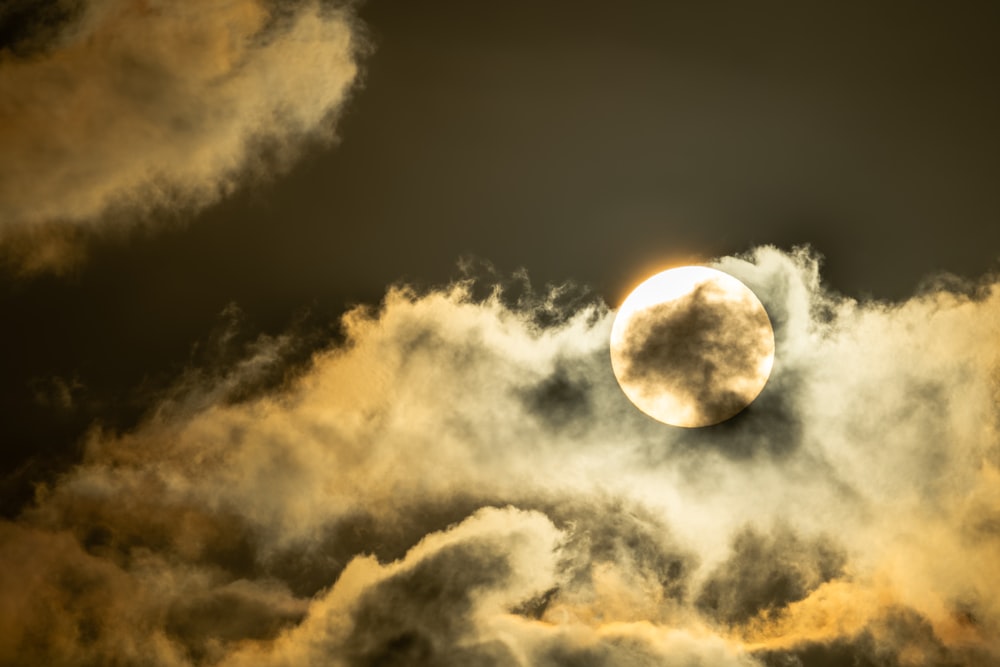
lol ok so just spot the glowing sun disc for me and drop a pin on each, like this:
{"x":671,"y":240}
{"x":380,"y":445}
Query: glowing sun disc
{"x":692,"y":346}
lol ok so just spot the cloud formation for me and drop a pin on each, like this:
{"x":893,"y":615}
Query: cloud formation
{"x":110,"y":109}
{"x":463,"y":482}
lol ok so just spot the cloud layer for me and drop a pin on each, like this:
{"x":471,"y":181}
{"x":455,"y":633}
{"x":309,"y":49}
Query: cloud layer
{"x":112,"y":108}
{"x":463,"y":482}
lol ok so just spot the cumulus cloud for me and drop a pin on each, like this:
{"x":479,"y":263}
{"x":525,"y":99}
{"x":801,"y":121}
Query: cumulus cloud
{"x":112,"y":108}
{"x":463,"y":482}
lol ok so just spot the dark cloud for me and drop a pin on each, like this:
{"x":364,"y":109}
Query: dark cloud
{"x":206,"y":620}
{"x":765,"y":571}
{"x":560,"y":399}
{"x":622,"y":534}
{"x":858,"y":652}
{"x":694,"y":348}
{"x":28,"y":27}
{"x":900,"y":637}
{"x":771,"y":426}
{"x":420,"y":616}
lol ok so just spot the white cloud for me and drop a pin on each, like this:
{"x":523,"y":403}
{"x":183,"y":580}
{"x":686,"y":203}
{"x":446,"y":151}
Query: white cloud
{"x":868,"y":470}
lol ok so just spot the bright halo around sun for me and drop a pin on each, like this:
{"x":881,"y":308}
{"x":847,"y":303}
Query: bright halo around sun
{"x":692,"y":346}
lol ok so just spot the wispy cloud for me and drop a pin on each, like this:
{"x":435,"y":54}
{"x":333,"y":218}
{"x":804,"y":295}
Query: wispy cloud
{"x":120,"y":107}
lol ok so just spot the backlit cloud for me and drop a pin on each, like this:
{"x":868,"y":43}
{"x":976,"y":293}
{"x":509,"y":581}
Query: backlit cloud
{"x":463,"y":482}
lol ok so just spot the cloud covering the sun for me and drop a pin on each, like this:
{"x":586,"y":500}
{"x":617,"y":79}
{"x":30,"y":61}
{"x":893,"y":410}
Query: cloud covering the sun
{"x":462,"y":482}
{"x":110,"y":109}
{"x":697,"y":358}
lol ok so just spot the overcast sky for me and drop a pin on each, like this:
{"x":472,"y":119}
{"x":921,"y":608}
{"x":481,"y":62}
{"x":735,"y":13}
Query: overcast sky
{"x":237,"y":363}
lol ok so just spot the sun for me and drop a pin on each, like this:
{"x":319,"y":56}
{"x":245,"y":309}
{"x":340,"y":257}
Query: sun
{"x":692,"y":346}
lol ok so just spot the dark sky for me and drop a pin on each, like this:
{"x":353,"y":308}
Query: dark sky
{"x":590,"y":142}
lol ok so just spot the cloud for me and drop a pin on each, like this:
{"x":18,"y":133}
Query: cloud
{"x":765,"y":572}
{"x":110,"y":109}
{"x":461,"y":481}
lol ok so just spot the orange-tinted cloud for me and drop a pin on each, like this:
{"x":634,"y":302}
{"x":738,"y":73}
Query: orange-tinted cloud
{"x":130,"y":106}
{"x":463,"y":482}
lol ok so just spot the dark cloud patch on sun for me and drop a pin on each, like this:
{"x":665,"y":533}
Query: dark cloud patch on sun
{"x":693,"y":347}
